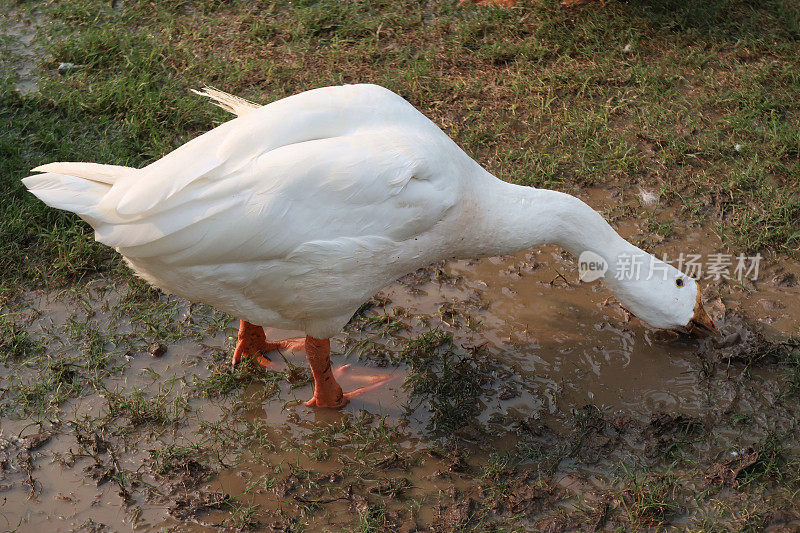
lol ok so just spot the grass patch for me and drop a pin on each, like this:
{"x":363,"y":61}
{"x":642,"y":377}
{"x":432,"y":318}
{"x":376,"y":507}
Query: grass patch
{"x":244,"y":517}
{"x":448,"y":381}
{"x":651,"y":499}
{"x":791,"y":359}
{"x":775,"y":464}
{"x":363,"y":434}
{"x":224,"y":379}
{"x":139,"y":409}
{"x":35,"y":397}
{"x":15,"y":342}
{"x":172,"y":458}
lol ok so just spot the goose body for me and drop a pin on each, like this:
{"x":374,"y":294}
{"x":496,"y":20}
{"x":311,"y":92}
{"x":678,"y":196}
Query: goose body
{"x":293,"y":214}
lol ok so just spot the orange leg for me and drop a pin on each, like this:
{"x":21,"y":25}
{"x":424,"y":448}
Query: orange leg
{"x":252,"y":343}
{"x":327,"y":391}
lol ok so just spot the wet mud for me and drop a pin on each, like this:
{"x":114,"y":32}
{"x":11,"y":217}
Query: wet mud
{"x":20,"y":51}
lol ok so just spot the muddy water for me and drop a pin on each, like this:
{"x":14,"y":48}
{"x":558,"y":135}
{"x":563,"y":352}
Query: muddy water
{"x":555,"y":345}
{"x":19,"y":48}
{"x":573,"y":345}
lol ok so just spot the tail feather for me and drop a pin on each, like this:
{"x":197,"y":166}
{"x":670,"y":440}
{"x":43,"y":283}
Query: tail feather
{"x":84,"y":197}
{"x":88,"y":171}
{"x":69,"y":193}
{"x":234,"y":104}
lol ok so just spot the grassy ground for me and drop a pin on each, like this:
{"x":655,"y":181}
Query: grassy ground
{"x":696,"y":101}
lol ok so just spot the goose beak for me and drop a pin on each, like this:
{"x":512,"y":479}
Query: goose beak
{"x":701,"y":324}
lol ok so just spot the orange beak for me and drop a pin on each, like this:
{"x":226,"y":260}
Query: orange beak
{"x":701,"y":324}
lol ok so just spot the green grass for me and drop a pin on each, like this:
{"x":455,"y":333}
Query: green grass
{"x":651,"y":499}
{"x":15,"y":341}
{"x":36,"y":397}
{"x":788,"y":352}
{"x":448,"y":381}
{"x":138,"y":409}
{"x":225,"y":379}
{"x":172,"y":458}
{"x":774,"y":463}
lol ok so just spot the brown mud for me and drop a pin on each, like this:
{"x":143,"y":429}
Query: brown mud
{"x":518,"y":395}
{"x":19,"y":46}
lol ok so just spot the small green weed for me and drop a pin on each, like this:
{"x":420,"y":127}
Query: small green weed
{"x":171,"y":458}
{"x":15,"y":343}
{"x":448,"y":381}
{"x":139,"y":409}
{"x":650,"y":499}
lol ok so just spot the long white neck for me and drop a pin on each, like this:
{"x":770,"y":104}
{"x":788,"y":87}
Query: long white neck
{"x":501,"y":218}
{"x":510,"y":218}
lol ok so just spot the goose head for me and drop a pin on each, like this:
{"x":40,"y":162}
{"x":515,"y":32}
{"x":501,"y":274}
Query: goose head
{"x":662,"y":296}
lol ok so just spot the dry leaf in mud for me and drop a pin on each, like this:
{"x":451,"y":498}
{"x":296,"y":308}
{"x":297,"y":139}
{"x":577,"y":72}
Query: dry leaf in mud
{"x":724,"y":473}
{"x":157,"y":349}
{"x":455,"y":516}
{"x":37,"y":440}
{"x":198,"y":502}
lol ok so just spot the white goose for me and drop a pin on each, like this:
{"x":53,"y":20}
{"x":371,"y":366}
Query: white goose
{"x":295,"y":213}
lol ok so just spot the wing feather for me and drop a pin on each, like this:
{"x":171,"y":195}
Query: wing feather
{"x":313,"y":115}
{"x":330,"y":194}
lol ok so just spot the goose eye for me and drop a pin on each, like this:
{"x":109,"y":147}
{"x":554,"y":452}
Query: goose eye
{"x":679,"y":282}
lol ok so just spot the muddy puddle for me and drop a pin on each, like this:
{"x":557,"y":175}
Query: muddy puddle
{"x":20,"y":51}
{"x":124,"y":412}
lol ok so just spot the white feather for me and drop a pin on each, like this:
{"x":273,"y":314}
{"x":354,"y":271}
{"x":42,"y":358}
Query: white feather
{"x":233,"y":104}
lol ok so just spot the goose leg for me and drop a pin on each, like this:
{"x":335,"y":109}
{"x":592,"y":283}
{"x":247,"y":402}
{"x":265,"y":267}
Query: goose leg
{"x":252,"y":343}
{"x":327,"y":391}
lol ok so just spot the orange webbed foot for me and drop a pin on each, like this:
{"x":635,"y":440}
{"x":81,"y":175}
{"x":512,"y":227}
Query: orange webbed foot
{"x":371,"y":381}
{"x":327,"y":391}
{"x":319,"y":401}
{"x":252,"y":343}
